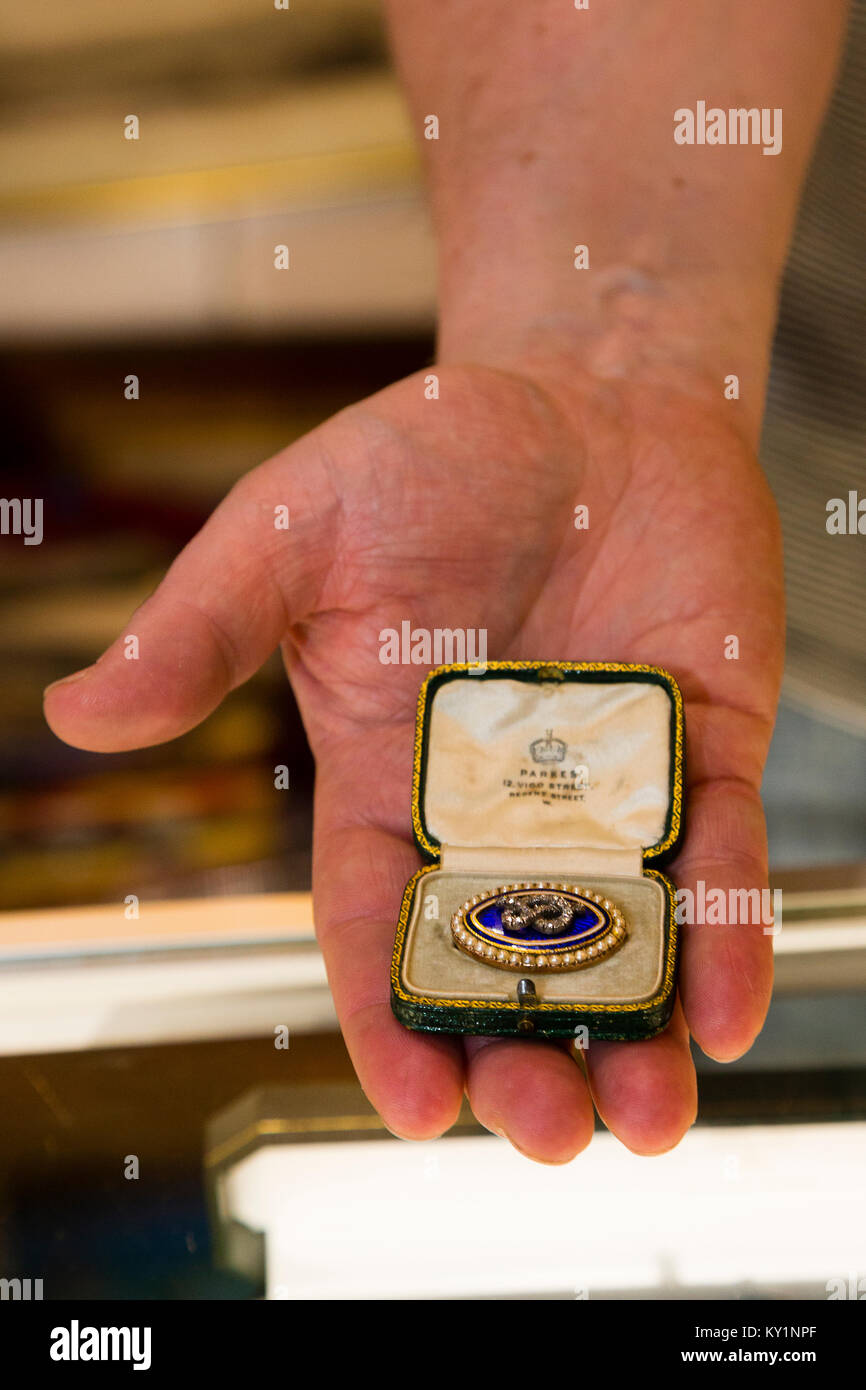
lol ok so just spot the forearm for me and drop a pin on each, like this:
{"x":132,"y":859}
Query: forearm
{"x":556,"y":129}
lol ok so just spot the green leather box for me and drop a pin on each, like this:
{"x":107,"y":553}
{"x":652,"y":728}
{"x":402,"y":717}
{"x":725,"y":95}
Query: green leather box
{"x":564,"y":775}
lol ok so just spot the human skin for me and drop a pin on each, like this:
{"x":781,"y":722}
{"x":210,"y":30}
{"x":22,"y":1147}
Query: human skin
{"x":557,"y":387}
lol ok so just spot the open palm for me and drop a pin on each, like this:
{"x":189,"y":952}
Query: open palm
{"x":458,"y":512}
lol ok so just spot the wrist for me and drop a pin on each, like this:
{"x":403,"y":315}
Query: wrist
{"x":683,"y":334}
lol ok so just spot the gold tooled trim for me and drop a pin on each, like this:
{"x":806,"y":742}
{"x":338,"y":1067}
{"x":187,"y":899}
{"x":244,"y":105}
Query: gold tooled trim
{"x":541,"y":1007}
{"x":676,"y":809}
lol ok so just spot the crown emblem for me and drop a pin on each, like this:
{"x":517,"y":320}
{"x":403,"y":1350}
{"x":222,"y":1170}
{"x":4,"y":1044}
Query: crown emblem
{"x":548,"y":749}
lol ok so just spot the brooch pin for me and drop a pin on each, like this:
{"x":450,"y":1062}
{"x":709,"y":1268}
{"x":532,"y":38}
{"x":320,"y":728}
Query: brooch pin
{"x":539,"y":926}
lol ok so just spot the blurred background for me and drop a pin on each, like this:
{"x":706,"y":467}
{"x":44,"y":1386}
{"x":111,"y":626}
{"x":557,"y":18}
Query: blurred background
{"x":153,"y":1035}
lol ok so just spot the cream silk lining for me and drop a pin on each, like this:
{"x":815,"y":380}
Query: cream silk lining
{"x":483,"y":786}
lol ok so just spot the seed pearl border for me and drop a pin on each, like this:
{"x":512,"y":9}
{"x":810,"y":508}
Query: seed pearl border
{"x":508,"y":959}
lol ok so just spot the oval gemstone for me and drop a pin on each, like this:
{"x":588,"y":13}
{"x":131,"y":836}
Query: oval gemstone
{"x":538,"y":920}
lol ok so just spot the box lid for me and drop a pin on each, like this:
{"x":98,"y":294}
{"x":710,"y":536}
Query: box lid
{"x":549,"y":755}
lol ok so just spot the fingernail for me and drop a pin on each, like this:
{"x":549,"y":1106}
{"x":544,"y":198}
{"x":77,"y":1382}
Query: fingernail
{"x":68,"y":680}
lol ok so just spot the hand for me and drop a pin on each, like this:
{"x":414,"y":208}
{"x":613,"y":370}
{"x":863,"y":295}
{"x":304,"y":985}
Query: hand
{"x":458,"y":512}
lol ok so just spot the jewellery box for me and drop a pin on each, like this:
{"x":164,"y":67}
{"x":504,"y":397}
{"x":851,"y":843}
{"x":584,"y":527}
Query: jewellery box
{"x":545,"y":795}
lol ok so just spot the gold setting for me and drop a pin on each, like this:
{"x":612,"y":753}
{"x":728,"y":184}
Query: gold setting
{"x":538,"y":958}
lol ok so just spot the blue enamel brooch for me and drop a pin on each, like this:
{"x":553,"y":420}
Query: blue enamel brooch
{"x":539,"y":926}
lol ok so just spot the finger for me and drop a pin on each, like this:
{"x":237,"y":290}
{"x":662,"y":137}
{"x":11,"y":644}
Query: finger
{"x":646,"y":1092}
{"x":220,"y":611}
{"x":533,"y":1094}
{"x":726,"y":969}
{"x":414,"y":1080}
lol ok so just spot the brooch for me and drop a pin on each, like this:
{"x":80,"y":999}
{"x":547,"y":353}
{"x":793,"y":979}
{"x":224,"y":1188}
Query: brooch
{"x":539,"y":926}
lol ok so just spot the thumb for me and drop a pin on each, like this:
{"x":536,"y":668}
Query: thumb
{"x":257,"y":566}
